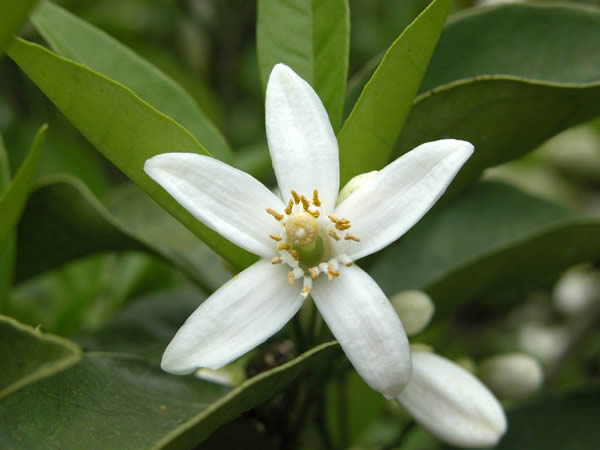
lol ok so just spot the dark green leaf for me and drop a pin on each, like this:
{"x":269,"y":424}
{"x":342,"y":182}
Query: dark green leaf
{"x":313,"y":38}
{"x":121,"y":125}
{"x":555,"y":43}
{"x":7,"y":245}
{"x":369,"y":134}
{"x":63,"y":221}
{"x":12,"y":18}
{"x":12,"y":200}
{"x":79,"y":41}
{"x":29,"y":355}
{"x":491,"y":241}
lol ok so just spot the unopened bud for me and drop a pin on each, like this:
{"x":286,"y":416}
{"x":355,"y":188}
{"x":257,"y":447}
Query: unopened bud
{"x":512,"y":376}
{"x":415,"y":310}
{"x":354,"y":184}
{"x":544,"y":342}
{"x":231,"y":375}
{"x":576,"y":290}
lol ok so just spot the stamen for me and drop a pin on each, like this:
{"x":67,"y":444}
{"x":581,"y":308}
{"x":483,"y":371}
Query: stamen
{"x":315,"y":214}
{"x":291,"y":278}
{"x":295,"y":254}
{"x":333,"y":218}
{"x":305,"y":291}
{"x":284,"y":246}
{"x":323,"y":267}
{"x":289,"y":208}
{"x":275,"y":237}
{"x":276,"y":260}
{"x":342,"y":226}
{"x":316,"y":200}
{"x":314,"y":272}
{"x":289,"y":260}
{"x":331,"y":272}
{"x":305,"y":202}
{"x":351,"y":237}
{"x":333,"y":234}
{"x":345,"y":259}
{"x":274,"y":213}
{"x":307,"y":287}
{"x":298,"y":273}
{"x":296,"y":197}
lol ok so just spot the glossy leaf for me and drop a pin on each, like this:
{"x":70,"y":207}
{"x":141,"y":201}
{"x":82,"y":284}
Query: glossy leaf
{"x":7,"y":245}
{"x":503,"y":118}
{"x":12,"y":200}
{"x":459,"y":252}
{"x":29,"y":355}
{"x":122,"y":126}
{"x":79,"y":41}
{"x":119,"y":401}
{"x":369,"y":134}
{"x":313,"y":38}
{"x":14,"y":15}
{"x":554,"y":43}
{"x":526,"y":77}
{"x":63,"y":221}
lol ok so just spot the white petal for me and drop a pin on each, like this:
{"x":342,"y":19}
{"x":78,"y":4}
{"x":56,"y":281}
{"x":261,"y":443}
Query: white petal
{"x":225,"y":199}
{"x":396,"y":198}
{"x":364,"y":322}
{"x":242,"y":314}
{"x":302,"y":143}
{"x":451,"y":403}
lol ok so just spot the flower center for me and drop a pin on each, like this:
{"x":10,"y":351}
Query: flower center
{"x":306,"y":246}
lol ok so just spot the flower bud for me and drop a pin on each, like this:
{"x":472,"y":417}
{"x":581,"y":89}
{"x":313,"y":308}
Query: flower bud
{"x":354,"y":184}
{"x":512,"y":376}
{"x":544,"y":342}
{"x":451,"y":403}
{"x":415,"y":310}
{"x":576,"y":290}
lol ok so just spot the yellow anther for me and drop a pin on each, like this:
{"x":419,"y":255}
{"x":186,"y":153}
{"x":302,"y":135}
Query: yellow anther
{"x":294,"y":254}
{"x":343,"y":220}
{"x":316,"y":200}
{"x":289,"y":208}
{"x":342,"y":226}
{"x":291,"y":278}
{"x":314,"y":272}
{"x":275,"y":237}
{"x":351,"y":237}
{"x":305,"y":202}
{"x":284,"y":246}
{"x":274,"y":213}
{"x":333,"y":218}
{"x":315,"y":214}
{"x":277,"y":260}
{"x":296,"y":197}
{"x":306,"y":291}
{"x":348,"y":264}
{"x":333,"y":234}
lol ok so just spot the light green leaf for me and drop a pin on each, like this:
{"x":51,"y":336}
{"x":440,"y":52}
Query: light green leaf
{"x":63,"y":221}
{"x":79,"y":41}
{"x":29,"y":355}
{"x":369,"y":134}
{"x":12,"y":200}
{"x":515,"y":90}
{"x":313,"y":38}
{"x":459,"y":252}
{"x":12,"y":17}
{"x":123,"y":127}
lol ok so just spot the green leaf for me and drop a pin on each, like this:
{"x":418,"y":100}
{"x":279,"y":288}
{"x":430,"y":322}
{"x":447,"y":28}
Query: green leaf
{"x":7,"y":245}
{"x":63,"y":221}
{"x":12,"y":200}
{"x":14,"y":15}
{"x":79,"y":41}
{"x":566,"y":420}
{"x":28,"y":355}
{"x":122,"y":126}
{"x":369,"y":134}
{"x":511,"y":95}
{"x":459,"y":252}
{"x":4,"y":167}
{"x":554,"y":43}
{"x":118,"y":401}
{"x":313,"y":38}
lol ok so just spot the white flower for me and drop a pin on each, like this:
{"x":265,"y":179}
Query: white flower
{"x":451,"y":403}
{"x":307,"y":243}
